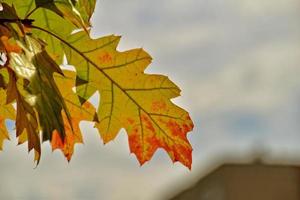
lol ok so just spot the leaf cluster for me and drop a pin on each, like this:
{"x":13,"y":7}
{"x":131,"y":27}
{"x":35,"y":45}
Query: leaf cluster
{"x":50,"y":102}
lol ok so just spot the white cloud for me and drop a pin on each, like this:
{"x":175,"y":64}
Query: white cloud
{"x":259,"y":8}
{"x":261,"y":80}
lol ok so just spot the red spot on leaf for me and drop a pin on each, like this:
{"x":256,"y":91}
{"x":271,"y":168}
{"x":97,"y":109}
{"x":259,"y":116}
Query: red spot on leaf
{"x":87,"y":105}
{"x":135,"y":131}
{"x":184,"y":155}
{"x":176,"y":129}
{"x":144,"y":147}
{"x":130,"y":121}
{"x":135,"y":144}
{"x":72,"y":136}
{"x":186,"y":128}
{"x":158,"y":106}
{"x":148,"y":123}
{"x":154,"y":143}
{"x":105,"y":58}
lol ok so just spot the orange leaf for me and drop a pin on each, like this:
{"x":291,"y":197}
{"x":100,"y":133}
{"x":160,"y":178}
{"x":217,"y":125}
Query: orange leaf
{"x":78,"y":113}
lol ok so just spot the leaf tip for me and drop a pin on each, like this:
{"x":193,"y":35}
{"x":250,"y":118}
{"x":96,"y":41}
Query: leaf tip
{"x":118,"y":36}
{"x":80,"y":81}
{"x":95,"y":118}
{"x":69,"y":158}
{"x":142,"y":162}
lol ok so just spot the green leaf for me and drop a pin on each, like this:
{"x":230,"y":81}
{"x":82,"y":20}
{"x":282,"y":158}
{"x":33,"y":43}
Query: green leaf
{"x":86,"y":8}
{"x":39,"y":101}
{"x":48,"y":20}
{"x":65,"y":9}
{"x":4,"y":78}
{"x":23,"y":6}
{"x":38,"y":68}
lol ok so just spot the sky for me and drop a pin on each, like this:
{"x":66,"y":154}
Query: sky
{"x":237,"y":63}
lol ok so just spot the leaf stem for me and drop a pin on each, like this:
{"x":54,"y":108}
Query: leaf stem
{"x":31,"y":12}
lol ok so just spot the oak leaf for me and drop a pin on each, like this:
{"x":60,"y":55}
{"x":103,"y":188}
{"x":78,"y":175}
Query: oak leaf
{"x":78,"y":113}
{"x":6,"y":112}
{"x":49,"y":20}
{"x":65,"y":9}
{"x":34,"y":37}
{"x":130,"y":99}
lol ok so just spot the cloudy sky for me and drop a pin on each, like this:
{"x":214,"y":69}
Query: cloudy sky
{"x":237,"y":62}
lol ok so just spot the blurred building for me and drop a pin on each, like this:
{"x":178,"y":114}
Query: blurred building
{"x":255,"y":181}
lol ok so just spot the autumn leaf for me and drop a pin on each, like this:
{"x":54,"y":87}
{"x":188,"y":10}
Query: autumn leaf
{"x":50,"y":14}
{"x":86,"y":9}
{"x":8,"y":12}
{"x":78,"y":113}
{"x":38,"y":68}
{"x":26,"y":121}
{"x":6,"y":112}
{"x":27,"y":128}
{"x":34,"y":38}
{"x":130,"y":99}
{"x":66,"y":9}
{"x":46,"y":19}
{"x":39,"y":102}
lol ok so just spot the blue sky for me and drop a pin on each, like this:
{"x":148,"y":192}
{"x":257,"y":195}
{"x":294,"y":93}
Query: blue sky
{"x":237,"y":63}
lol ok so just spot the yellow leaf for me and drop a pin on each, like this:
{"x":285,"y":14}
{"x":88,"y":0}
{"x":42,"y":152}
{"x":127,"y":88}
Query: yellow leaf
{"x":77,"y":111}
{"x":130,"y":99}
{"x":6,"y":112}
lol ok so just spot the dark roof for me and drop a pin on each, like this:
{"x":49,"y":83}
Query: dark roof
{"x":247,"y":182}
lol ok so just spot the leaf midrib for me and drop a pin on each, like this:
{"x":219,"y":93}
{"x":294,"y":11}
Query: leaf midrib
{"x":108,"y":77}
